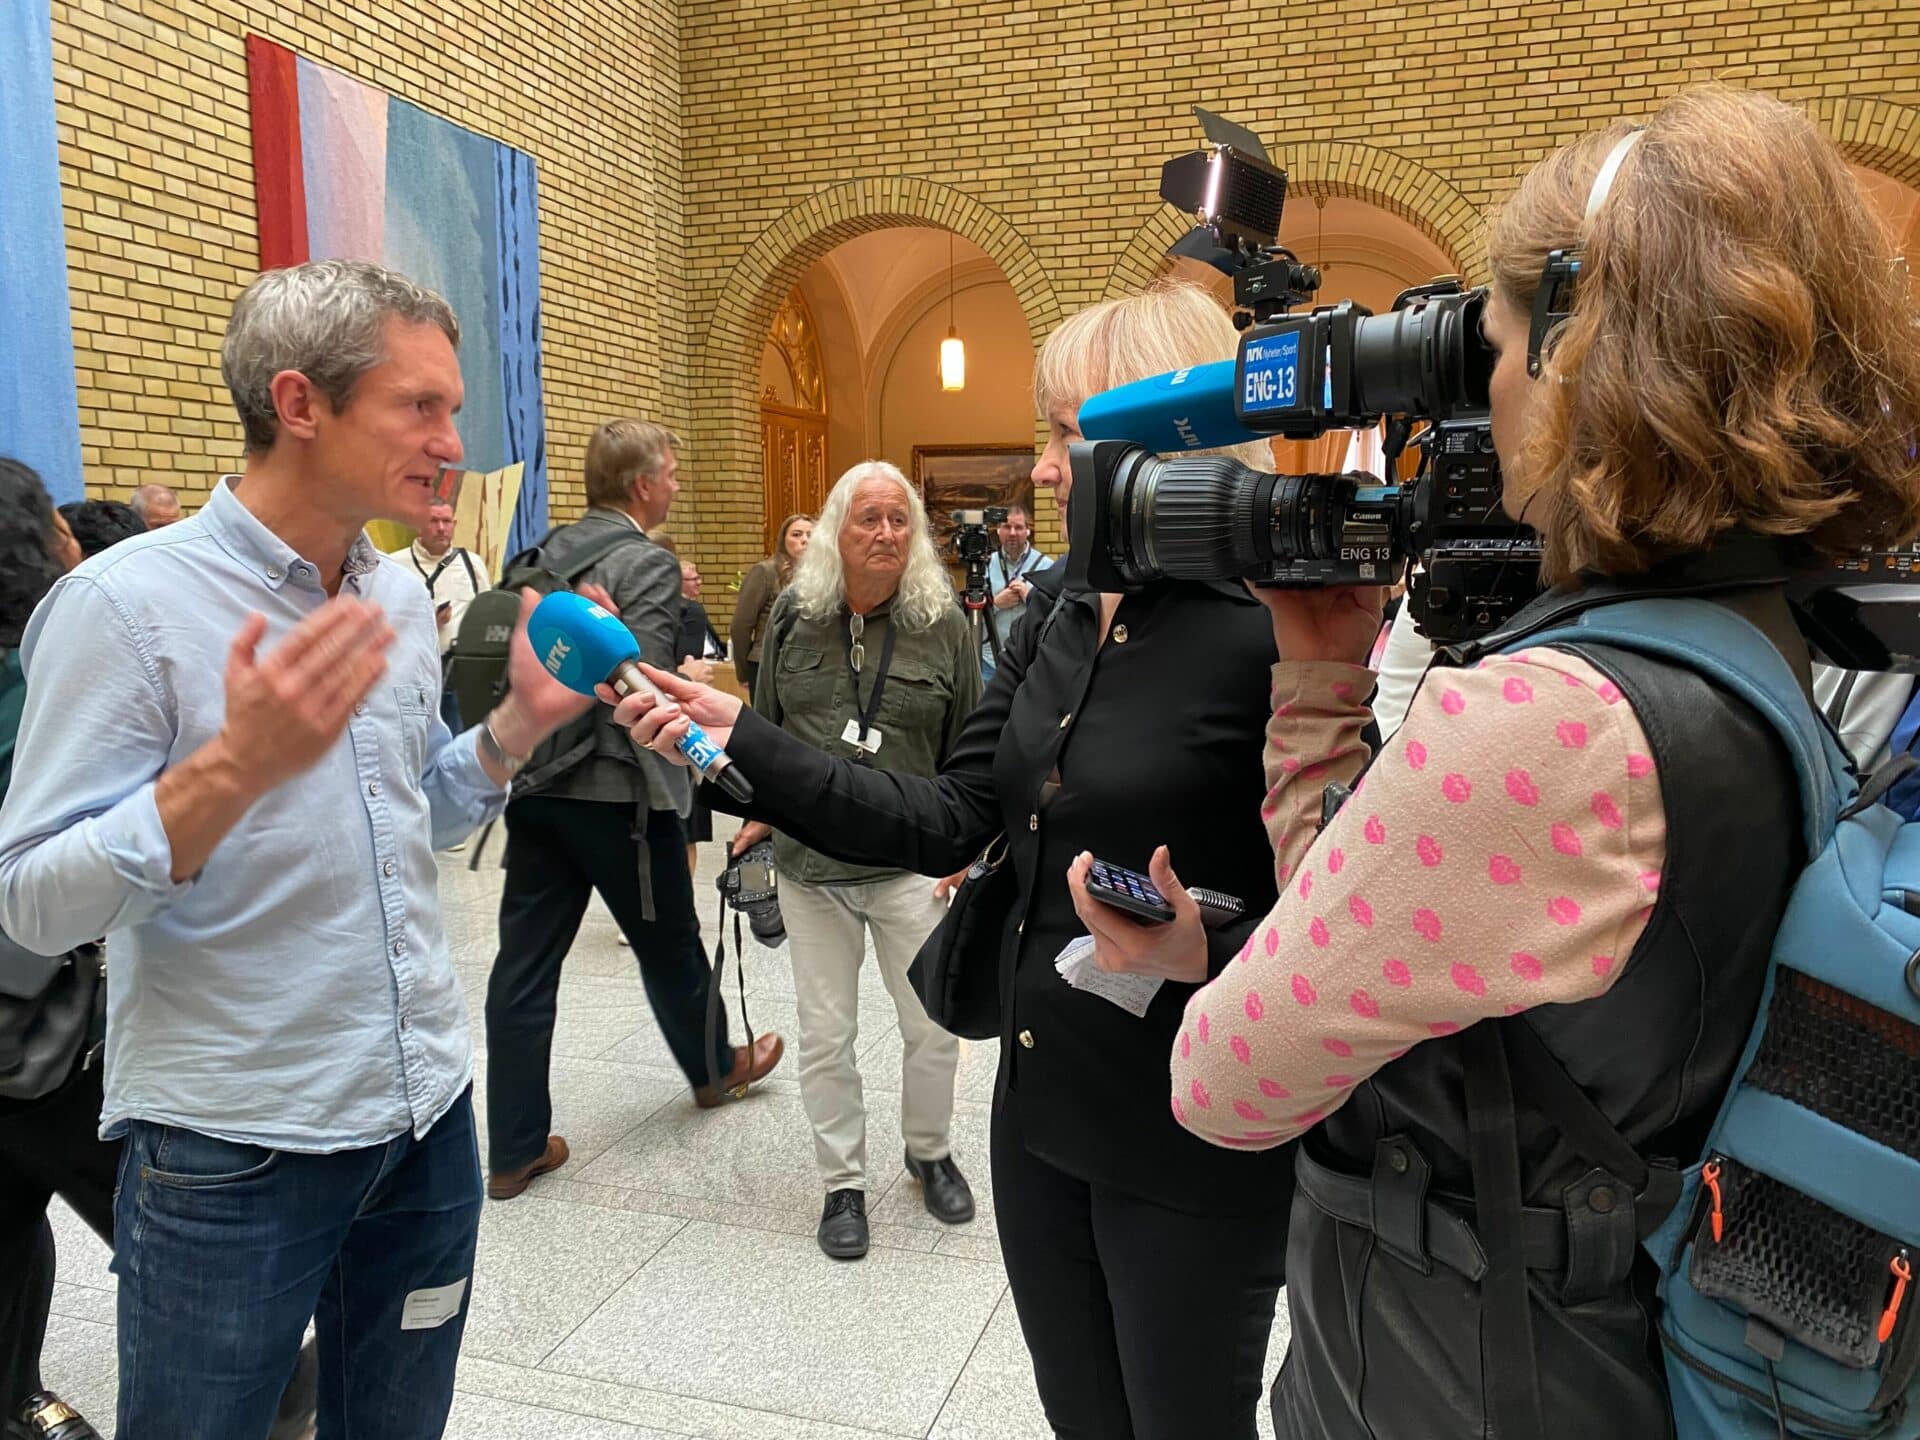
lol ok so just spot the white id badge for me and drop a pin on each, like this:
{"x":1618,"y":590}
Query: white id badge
{"x":852,"y":736}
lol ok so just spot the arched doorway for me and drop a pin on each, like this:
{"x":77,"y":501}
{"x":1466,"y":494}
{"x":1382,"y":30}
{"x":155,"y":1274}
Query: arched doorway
{"x":726,"y":391}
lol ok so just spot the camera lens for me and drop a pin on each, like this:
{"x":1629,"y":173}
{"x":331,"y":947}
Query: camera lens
{"x":768,"y":928}
{"x":1191,"y":517}
{"x":1204,"y":518}
{"x":1426,"y":358}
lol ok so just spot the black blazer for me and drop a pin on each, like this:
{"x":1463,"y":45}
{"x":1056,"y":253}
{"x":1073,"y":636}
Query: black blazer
{"x":695,"y":630}
{"x":1154,"y":737}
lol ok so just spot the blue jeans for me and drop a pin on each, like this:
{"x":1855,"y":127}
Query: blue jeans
{"x":225,"y":1250}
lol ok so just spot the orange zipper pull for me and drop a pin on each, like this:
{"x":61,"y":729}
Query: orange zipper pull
{"x":1902,"y":1272}
{"x":1710,"y":1176}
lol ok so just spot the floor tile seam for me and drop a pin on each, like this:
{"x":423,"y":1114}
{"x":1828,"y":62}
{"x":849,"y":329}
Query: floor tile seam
{"x":806,"y":1216}
{"x":972,"y":1351}
{"x":651,"y":1391}
{"x":625,"y":1281}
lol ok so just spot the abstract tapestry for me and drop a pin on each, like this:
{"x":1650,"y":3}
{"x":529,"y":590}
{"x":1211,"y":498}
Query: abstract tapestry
{"x":344,"y":169}
{"x":39,"y":405}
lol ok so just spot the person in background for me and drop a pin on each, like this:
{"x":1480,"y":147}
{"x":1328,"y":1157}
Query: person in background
{"x":158,"y":506}
{"x":700,"y":644}
{"x":867,"y":656}
{"x":603,"y":815}
{"x":1144,"y":1263}
{"x":701,"y":650}
{"x":66,"y":549}
{"x":1570,"y":857}
{"x":287,"y":1046}
{"x":97,"y":525}
{"x":758,"y":591}
{"x":453,"y":575}
{"x":1007,"y":573}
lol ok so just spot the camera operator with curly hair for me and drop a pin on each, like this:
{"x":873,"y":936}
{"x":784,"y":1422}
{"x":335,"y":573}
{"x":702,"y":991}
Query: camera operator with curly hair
{"x":1596,"y":844}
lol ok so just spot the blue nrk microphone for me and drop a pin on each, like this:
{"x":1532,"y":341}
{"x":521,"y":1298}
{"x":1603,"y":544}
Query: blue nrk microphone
{"x":1188,"y":409}
{"x":583,"y":645}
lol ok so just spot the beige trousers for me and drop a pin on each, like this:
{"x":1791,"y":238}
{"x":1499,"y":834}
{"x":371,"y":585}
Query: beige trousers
{"x":826,"y":927}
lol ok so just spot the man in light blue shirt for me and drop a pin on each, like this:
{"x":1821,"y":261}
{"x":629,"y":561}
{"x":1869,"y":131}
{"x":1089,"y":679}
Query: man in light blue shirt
{"x":1007,"y":578}
{"x":232,"y":765}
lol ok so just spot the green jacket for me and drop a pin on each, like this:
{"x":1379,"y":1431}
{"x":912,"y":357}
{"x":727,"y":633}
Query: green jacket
{"x":806,"y":688}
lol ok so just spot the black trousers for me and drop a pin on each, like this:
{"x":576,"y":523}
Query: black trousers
{"x":1144,"y":1323}
{"x":48,"y":1147}
{"x":559,"y":852}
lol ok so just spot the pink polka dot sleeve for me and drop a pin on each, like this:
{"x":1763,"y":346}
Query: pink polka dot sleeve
{"x":1503,"y":852}
{"x":1313,"y":741}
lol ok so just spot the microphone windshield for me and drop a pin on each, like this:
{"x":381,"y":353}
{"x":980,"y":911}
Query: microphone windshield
{"x":1189,"y":409}
{"x":580,"y":643}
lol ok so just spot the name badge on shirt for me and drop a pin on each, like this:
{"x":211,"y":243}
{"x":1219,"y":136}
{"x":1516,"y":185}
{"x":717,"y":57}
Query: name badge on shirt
{"x":871,"y":744}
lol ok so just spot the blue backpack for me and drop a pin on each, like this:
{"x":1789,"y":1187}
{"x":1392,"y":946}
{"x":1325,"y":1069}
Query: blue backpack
{"x":1787,"y":1289}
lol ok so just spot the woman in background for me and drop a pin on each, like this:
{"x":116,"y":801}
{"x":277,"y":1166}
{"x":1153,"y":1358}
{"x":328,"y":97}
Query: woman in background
{"x":758,"y":591}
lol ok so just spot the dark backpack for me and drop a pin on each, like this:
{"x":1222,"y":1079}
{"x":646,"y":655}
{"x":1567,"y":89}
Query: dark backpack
{"x":474,"y":672}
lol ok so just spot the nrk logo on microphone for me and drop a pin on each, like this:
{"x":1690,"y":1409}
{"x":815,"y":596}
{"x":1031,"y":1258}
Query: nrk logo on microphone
{"x":578,"y":642}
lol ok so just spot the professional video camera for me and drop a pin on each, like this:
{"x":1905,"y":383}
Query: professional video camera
{"x":973,"y":542}
{"x":1300,"y":376}
{"x":1136,"y":517}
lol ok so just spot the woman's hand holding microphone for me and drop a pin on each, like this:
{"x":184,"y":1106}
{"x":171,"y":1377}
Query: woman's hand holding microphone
{"x":659,"y":722}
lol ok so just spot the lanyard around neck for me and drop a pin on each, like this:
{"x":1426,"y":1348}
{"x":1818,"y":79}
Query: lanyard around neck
{"x":856,"y":657}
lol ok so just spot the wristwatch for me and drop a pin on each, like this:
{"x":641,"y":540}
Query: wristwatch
{"x":490,"y":743}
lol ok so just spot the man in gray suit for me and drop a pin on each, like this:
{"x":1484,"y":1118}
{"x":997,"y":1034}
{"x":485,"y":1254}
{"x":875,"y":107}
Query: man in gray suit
{"x":592,"y":811}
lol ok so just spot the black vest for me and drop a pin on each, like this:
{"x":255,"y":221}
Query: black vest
{"x":1393,"y":1334}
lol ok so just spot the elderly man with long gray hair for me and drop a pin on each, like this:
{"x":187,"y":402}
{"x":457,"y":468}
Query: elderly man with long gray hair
{"x":867,"y":656}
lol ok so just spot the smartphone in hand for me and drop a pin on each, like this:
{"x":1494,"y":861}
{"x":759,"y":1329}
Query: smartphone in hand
{"x":1135,"y":893}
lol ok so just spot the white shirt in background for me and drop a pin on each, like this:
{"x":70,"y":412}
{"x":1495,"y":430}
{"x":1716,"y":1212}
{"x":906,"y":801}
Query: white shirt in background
{"x":448,"y":579}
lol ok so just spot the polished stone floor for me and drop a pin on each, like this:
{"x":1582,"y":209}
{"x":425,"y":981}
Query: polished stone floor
{"x":665,"y":1283}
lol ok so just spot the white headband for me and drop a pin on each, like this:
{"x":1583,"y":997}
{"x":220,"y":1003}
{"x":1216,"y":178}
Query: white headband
{"x":1603,"y":182}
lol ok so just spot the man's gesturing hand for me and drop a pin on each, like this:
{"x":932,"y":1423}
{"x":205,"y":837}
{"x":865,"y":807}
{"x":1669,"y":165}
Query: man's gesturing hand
{"x":286,"y":711}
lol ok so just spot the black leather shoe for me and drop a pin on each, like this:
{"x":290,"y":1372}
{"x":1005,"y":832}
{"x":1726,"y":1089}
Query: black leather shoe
{"x":46,"y":1416}
{"x":843,"y":1225}
{"x":949,"y":1198}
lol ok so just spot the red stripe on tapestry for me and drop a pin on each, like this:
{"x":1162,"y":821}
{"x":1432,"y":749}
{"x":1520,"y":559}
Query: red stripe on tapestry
{"x":279,"y":182}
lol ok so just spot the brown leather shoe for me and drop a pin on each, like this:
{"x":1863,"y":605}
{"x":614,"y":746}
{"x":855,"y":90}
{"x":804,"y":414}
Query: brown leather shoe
{"x":767,"y":1050}
{"x":506,"y":1184}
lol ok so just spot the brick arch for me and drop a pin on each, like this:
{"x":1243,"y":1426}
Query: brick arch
{"x":726,"y":372}
{"x":1334,"y":168}
{"x":1879,"y":134}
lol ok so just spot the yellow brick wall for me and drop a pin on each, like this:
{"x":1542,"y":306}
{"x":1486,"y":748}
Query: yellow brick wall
{"x":157,"y":172}
{"x":1034,"y":127}
{"x":1038,"y":128}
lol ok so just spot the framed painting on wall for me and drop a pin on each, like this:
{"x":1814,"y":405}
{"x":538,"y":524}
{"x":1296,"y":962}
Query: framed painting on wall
{"x":970,"y":477}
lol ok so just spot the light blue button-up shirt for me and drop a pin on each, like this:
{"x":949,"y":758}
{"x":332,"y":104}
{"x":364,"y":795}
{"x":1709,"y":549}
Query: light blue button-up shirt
{"x":297,"y":993}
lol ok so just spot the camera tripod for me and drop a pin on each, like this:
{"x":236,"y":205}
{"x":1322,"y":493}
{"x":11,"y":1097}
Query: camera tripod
{"x":977,"y":600}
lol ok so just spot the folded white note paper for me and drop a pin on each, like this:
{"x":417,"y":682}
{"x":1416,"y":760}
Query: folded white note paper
{"x":1132,"y":993}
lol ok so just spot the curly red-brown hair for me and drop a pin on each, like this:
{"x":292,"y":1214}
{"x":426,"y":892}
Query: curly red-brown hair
{"x":1742,"y":353}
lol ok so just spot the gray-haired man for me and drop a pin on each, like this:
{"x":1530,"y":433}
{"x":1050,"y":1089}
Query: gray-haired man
{"x":287,"y":1046}
{"x":157,"y":505}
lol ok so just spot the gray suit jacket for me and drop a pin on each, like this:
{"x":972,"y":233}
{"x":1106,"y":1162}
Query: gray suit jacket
{"x":644,"y":581}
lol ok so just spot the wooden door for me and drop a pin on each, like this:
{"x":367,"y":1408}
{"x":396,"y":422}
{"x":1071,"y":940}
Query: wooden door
{"x":793,"y":460}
